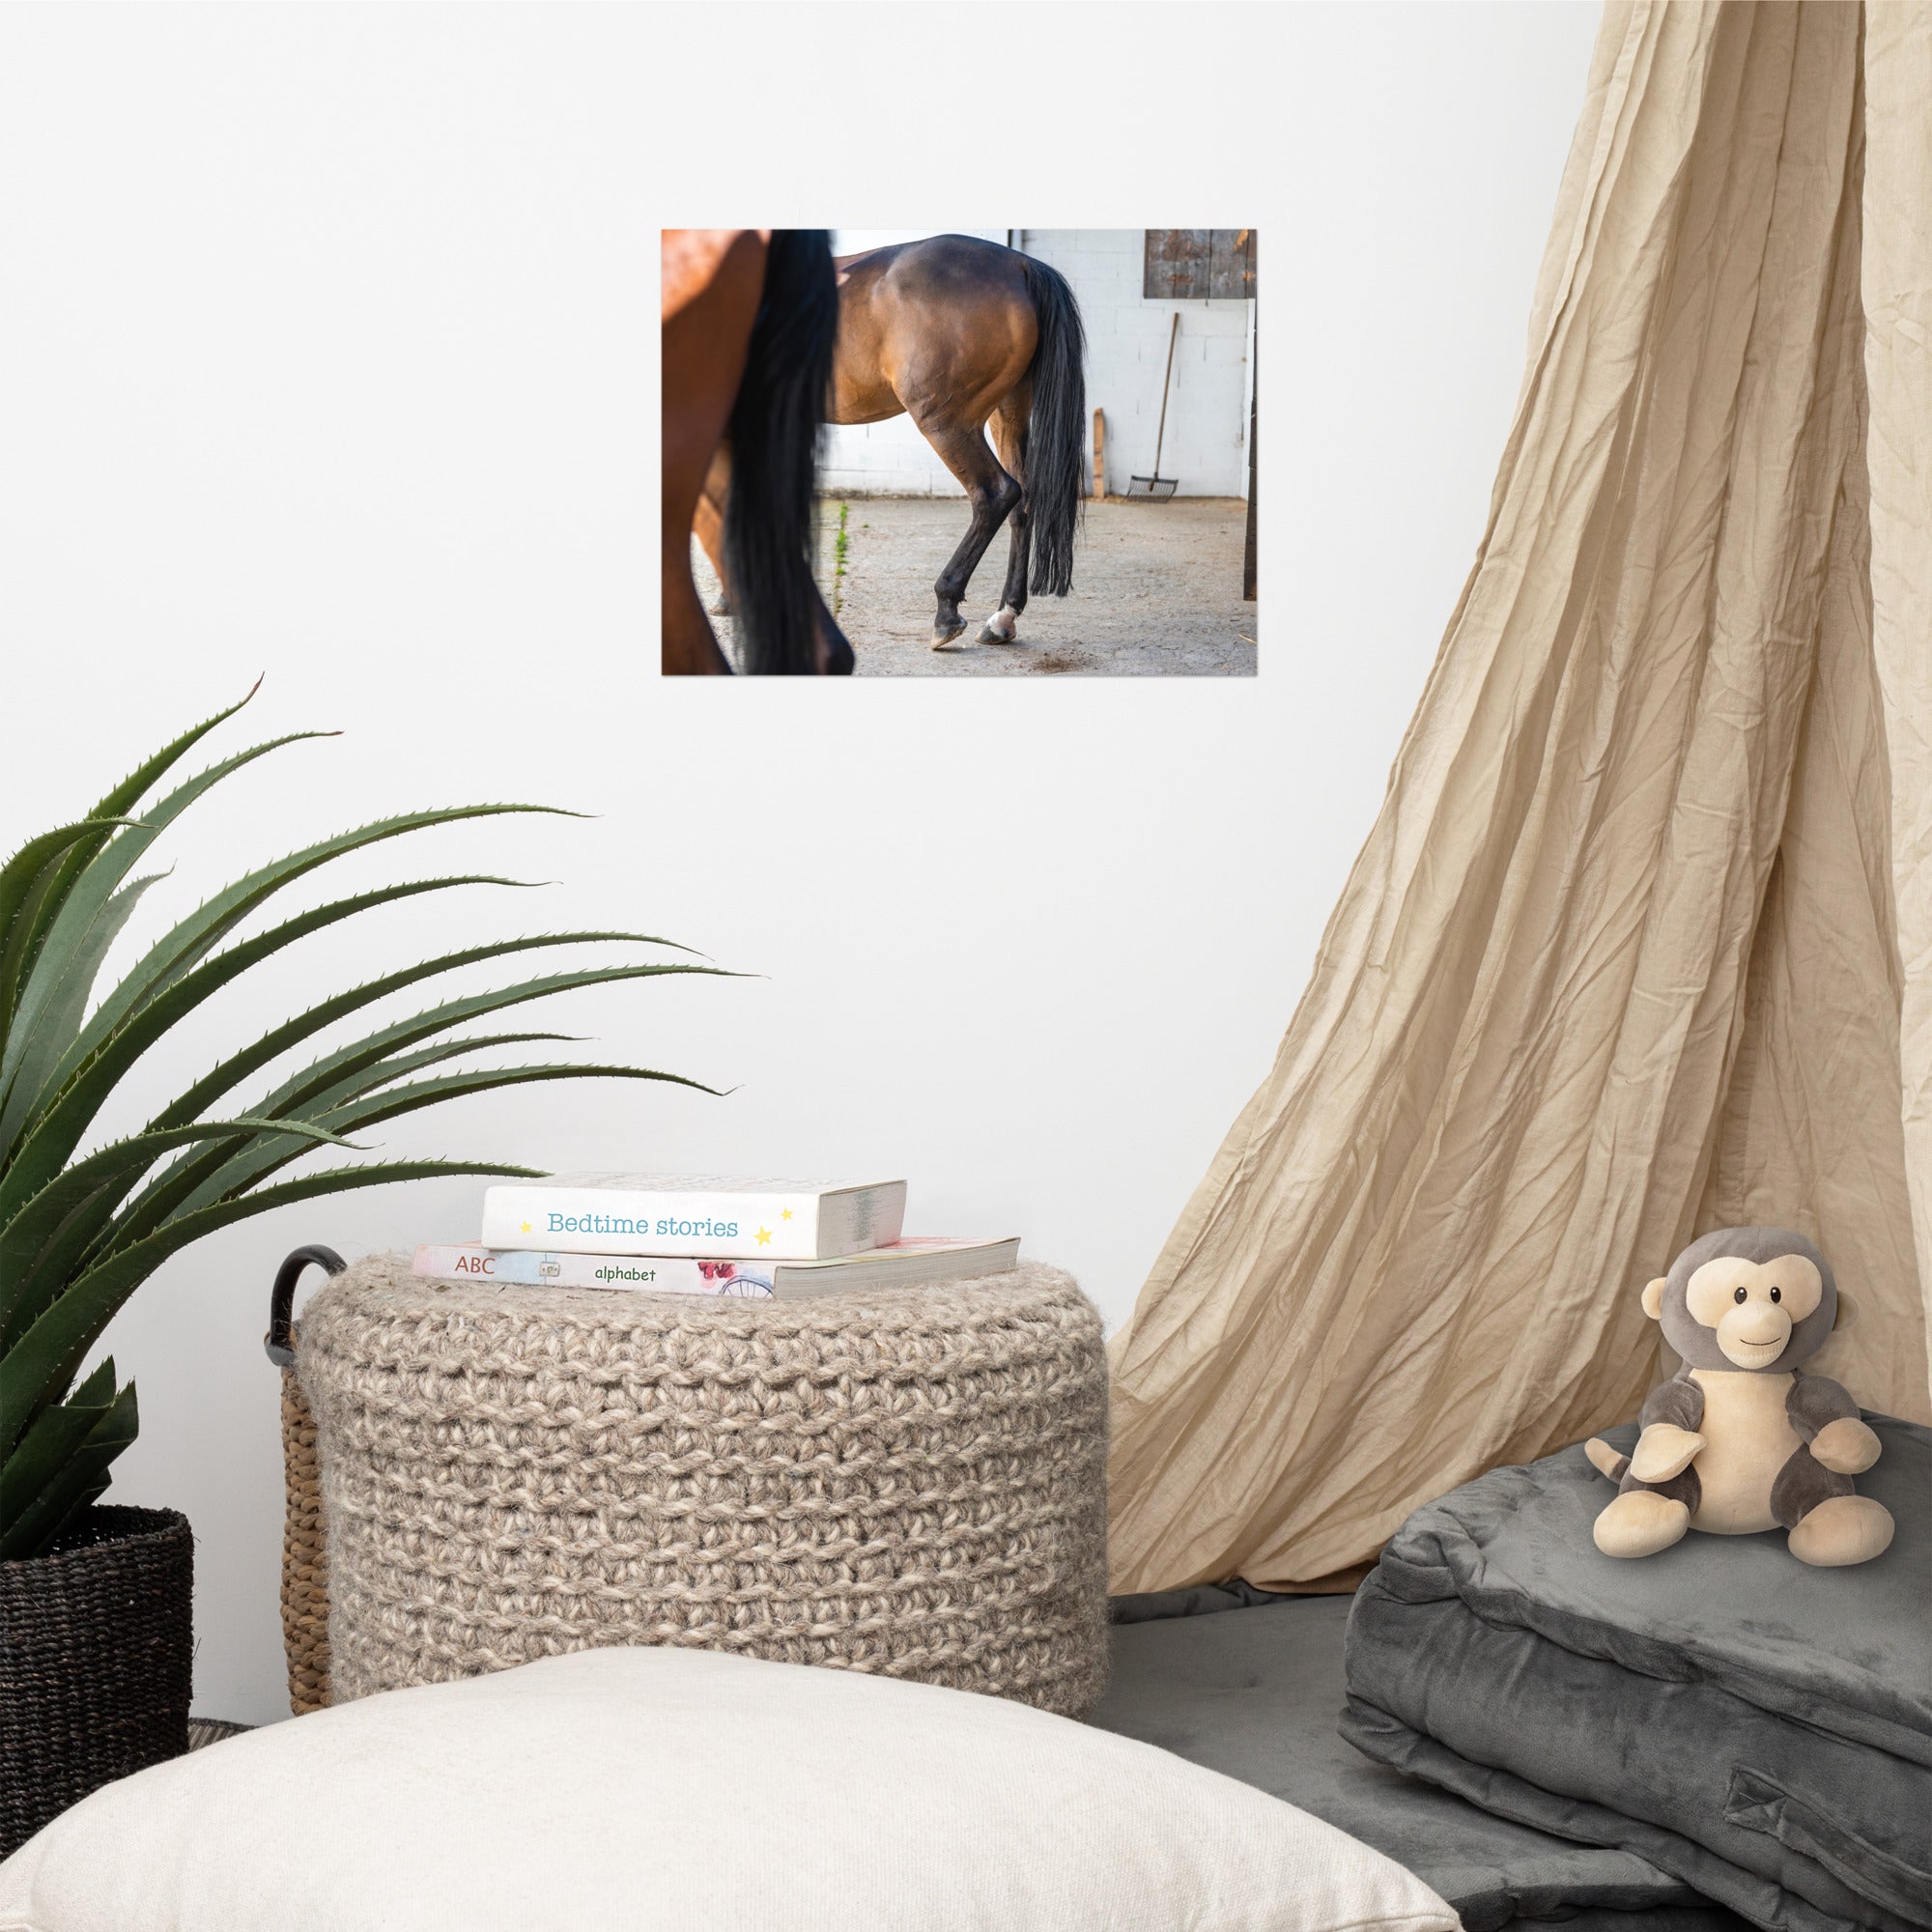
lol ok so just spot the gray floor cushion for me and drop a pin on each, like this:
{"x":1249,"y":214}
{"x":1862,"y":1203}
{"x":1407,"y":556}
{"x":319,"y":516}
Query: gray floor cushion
{"x":1757,"y":1728}
{"x":1254,"y":1690}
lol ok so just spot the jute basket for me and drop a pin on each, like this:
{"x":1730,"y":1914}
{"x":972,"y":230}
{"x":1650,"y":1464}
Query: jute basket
{"x":304,"y":1548}
{"x":903,"y":1481}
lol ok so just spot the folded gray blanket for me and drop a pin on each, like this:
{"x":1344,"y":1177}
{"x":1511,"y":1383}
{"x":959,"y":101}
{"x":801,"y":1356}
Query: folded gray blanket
{"x":1760,"y":1729}
{"x":1249,"y":1684}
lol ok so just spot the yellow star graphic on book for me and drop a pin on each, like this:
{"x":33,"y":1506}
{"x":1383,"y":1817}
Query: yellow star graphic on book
{"x":527,"y":1226}
{"x":784,"y":1213}
{"x":764,"y":1236}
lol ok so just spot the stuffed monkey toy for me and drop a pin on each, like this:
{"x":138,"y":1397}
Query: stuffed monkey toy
{"x":1741,"y":1438}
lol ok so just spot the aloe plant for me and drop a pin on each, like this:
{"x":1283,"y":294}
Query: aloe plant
{"x":80,"y":1232}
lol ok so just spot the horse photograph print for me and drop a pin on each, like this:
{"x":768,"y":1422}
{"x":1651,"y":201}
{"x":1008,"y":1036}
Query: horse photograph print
{"x":852,"y":418}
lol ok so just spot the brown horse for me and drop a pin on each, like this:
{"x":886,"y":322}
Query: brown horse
{"x":962,"y":334}
{"x":749,"y":317}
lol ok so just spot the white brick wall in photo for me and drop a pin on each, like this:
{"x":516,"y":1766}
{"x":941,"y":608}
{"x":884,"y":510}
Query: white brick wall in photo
{"x":1206,"y":448}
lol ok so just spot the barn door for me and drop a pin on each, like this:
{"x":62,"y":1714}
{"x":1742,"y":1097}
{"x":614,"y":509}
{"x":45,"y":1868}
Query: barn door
{"x":1199,"y":265}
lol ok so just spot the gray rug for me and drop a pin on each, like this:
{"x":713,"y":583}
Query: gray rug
{"x":212,"y":1730}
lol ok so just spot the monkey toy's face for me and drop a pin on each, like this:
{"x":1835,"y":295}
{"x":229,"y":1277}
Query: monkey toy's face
{"x":1754,"y":1298}
{"x":1751,"y":1306}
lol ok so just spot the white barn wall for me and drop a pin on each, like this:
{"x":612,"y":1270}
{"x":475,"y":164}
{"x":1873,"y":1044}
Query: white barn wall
{"x":1206,"y":446}
{"x":326,"y":351}
{"x":884,"y":459}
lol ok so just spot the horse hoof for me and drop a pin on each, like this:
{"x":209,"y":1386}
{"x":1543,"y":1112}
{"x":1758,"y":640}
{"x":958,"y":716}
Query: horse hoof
{"x":1001,"y":627}
{"x":989,"y":636}
{"x":942,"y":639}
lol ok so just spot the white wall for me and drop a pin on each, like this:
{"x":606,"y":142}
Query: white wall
{"x":325,"y":351}
{"x":1205,"y":447}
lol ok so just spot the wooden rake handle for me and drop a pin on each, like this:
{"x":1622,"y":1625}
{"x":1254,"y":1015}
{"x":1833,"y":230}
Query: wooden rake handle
{"x":1160,"y":435}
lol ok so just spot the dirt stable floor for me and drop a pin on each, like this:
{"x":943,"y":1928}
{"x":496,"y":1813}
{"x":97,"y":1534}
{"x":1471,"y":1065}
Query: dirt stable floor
{"x":1156,"y":592}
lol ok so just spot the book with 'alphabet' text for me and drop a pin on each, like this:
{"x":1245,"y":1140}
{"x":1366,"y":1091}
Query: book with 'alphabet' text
{"x":916,"y":1262}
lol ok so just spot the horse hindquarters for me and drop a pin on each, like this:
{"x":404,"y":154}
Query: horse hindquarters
{"x":965,"y":327}
{"x":706,"y":335}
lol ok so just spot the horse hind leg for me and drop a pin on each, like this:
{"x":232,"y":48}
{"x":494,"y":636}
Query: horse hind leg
{"x":1010,"y":430}
{"x":993,"y":495}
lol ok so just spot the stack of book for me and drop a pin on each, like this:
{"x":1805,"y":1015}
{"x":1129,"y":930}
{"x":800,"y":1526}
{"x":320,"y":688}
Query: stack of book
{"x":699,"y":1235}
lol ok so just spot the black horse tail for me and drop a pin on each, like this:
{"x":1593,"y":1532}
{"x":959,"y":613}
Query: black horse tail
{"x":1056,"y":430}
{"x":770,"y":514}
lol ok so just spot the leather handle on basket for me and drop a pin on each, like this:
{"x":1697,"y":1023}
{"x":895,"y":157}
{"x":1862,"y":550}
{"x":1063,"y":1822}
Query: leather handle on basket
{"x":279,"y":1342}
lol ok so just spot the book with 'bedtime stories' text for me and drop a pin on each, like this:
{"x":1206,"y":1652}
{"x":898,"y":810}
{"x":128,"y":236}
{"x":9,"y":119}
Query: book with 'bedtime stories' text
{"x":694,"y":1215}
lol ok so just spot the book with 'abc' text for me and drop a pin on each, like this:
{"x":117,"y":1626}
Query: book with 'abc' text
{"x":915,"y":1262}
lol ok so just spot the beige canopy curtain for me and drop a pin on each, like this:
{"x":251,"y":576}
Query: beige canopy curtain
{"x":1642,"y":942}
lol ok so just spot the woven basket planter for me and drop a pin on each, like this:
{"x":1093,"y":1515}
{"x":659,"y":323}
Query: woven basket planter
{"x":97,"y":1656}
{"x":910,"y":1482}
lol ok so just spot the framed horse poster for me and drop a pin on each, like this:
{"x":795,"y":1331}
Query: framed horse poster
{"x":837,"y":403}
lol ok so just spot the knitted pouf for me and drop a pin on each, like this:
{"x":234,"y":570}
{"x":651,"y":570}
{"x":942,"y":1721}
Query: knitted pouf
{"x":909,"y":1481}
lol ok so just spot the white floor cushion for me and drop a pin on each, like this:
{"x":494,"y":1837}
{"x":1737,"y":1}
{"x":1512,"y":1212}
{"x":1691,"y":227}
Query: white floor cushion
{"x":683,"y":1789}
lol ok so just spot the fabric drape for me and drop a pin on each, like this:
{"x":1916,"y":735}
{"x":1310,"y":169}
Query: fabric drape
{"x":1636,"y":946}
{"x":1897,"y":293}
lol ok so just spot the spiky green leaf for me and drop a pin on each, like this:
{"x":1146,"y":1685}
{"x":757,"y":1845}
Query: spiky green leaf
{"x":37,"y":1367}
{"x":76,"y":1481}
{"x":194,"y":937}
{"x":59,"y":1019}
{"x":51,"y":890}
{"x":179,"y":1183}
{"x":58,"y":1128}
{"x":36,"y":862}
{"x":203,"y":1175}
{"x":29,"y":1228}
{"x":261,"y":1157}
{"x":229,"y":1073}
{"x":63,"y":948}
{"x":48,"y":1444}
